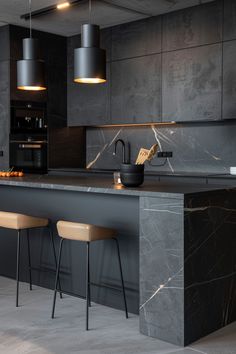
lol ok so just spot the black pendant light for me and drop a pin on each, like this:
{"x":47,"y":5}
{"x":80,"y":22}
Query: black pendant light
{"x":30,"y":70}
{"x":90,"y":59}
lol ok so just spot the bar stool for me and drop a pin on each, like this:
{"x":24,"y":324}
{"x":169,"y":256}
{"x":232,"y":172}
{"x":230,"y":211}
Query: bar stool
{"x":20,"y":222}
{"x":85,"y":233}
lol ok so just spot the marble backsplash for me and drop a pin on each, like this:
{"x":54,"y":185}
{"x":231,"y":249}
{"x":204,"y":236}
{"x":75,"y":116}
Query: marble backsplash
{"x":207,"y":148}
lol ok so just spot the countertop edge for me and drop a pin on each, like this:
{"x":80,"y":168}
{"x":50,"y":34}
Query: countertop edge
{"x":100,"y":190}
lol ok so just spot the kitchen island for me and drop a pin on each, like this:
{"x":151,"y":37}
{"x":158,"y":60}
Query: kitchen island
{"x":178,"y":247}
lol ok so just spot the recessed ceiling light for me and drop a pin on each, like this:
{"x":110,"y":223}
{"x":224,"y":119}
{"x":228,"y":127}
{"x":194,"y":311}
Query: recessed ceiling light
{"x":63,"y":5}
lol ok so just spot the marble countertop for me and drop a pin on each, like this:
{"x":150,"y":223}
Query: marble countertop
{"x":104,"y":184}
{"x":148,"y":173}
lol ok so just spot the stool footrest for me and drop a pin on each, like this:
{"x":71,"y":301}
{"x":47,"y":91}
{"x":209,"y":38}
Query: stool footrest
{"x":71,"y":294}
{"x":43,"y":269}
{"x":116,"y":288}
{"x":91,"y":283}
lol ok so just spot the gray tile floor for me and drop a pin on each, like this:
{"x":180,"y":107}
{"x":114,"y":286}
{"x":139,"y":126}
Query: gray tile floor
{"x":29,"y":328}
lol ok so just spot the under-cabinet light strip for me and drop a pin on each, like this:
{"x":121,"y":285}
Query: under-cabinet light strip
{"x":133,"y":125}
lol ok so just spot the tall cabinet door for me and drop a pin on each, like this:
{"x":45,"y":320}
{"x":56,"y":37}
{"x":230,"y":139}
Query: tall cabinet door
{"x":4,"y":114}
{"x":136,"y":72}
{"x":136,"y":92}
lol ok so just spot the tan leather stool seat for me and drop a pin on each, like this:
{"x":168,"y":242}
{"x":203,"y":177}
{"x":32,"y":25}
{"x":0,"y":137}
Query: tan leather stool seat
{"x":83,"y":232}
{"x":20,"y":221}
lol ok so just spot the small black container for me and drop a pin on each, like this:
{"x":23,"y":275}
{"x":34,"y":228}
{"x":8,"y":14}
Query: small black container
{"x":131,"y":175}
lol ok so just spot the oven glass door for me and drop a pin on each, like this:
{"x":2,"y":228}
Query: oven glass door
{"x":29,"y":156}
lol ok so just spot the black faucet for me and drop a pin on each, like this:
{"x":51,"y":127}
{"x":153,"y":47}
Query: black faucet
{"x":123,"y":150}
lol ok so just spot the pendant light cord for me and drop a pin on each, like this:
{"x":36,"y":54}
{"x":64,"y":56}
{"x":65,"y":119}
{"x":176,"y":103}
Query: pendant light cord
{"x":90,"y":10}
{"x":30,"y":17}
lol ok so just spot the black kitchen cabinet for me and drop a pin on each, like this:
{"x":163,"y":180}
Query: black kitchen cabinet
{"x":137,"y":38}
{"x":229,"y":19}
{"x":136,"y":90}
{"x":88,"y":104}
{"x":162,"y":69}
{"x":229,"y":80}
{"x":53,"y":50}
{"x":4,"y":97}
{"x":4,"y":114}
{"x":5,"y":44}
{"x":194,"y":26}
{"x":192,"y":84}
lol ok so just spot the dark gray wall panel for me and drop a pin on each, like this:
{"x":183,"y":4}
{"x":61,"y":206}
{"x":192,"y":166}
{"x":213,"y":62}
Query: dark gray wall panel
{"x":229,"y":19}
{"x":136,"y":91}
{"x":136,"y":38}
{"x":4,"y":42}
{"x":192,"y":84}
{"x":4,"y":113}
{"x":194,"y":26}
{"x":105,"y":41}
{"x":229,"y":80}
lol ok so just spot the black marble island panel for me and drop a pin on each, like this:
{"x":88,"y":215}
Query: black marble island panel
{"x":209,"y":262}
{"x":178,"y":246}
{"x":162,"y":268}
{"x":187,"y":265}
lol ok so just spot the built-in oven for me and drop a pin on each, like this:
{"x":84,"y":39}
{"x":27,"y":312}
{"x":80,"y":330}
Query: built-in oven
{"x":29,"y":155}
{"x":28,"y":137}
{"x":28,"y":117}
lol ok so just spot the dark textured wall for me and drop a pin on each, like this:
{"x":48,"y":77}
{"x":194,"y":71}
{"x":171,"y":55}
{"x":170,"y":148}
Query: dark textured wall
{"x":4,"y":97}
{"x":194,"y":62}
{"x":178,"y":66}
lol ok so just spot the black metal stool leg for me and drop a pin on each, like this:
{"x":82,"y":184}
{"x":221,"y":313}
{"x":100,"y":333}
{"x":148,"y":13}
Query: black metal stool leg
{"x":57,"y":277}
{"x":89,"y":292}
{"x":121,"y":276}
{"x":87,"y":289}
{"x":54,"y":253}
{"x":17,"y":267}
{"x":29,"y":259}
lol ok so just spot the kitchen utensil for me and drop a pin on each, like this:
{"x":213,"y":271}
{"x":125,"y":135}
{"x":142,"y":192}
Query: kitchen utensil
{"x":146,"y":155}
